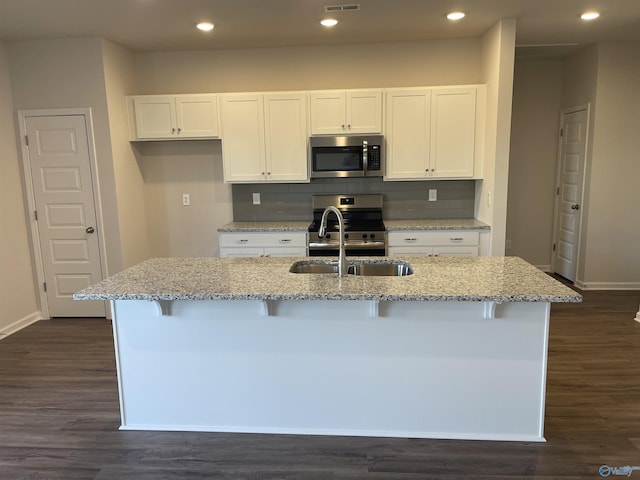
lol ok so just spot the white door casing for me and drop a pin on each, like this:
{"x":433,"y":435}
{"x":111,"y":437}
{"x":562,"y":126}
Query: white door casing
{"x":60,"y":186}
{"x":569,"y":190}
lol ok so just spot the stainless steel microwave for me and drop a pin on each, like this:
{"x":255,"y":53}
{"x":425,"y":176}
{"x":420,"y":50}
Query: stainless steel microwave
{"x":346,"y":156}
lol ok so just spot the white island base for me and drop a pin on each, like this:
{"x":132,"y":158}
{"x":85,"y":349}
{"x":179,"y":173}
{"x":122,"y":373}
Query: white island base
{"x":443,"y":369}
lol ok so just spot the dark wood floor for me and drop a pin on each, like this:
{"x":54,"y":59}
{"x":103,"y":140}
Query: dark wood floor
{"x":59,"y":416}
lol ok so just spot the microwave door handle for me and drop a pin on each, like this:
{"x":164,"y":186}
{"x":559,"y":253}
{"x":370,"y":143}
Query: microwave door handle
{"x":365,"y":161}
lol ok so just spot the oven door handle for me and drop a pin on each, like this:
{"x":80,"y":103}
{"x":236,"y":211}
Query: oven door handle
{"x":349,"y":244}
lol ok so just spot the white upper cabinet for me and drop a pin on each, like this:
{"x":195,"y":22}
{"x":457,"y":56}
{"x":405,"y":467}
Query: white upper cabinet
{"x":408,"y":133}
{"x":170,"y":117}
{"x":243,"y":151}
{"x":264,"y":137}
{"x":286,"y":137}
{"x":432,"y":133}
{"x":453,"y":132}
{"x":346,"y":112}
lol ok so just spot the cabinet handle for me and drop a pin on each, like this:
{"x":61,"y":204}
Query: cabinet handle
{"x":173,"y":130}
{"x":342,"y":126}
{"x":349,"y":127}
{"x":410,"y":239}
{"x":456,"y":239}
{"x":179,"y":130}
{"x":285,"y":240}
{"x":243,"y":240}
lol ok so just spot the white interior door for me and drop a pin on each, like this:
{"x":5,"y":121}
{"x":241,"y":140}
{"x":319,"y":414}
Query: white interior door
{"x":60,"y":170}
{"x":569,"y":192}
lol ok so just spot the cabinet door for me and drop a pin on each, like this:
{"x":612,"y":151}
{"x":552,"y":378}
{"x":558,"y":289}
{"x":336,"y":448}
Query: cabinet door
{"x":408,"y":130}
{"x":416,"y":251}
{"x":455,"y":251}
{"x":243,"y":138}
{"x":328,"y":111}
{"x":364,"y":111}
{"x":453,"y":124}
{"x":197,"y":116}
{"x":155,"y":117}
{"x":286,"y":137}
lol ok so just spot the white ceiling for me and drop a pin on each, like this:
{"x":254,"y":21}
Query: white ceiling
{"x":162,"y":25}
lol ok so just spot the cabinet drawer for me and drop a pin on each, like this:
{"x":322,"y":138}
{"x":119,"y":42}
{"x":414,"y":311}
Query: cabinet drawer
{"x":433,"y":238}
{"x":261,"y":239}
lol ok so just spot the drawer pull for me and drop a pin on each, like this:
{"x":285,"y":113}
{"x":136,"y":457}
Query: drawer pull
{"x":410,"y":239}
{"x":243,"y":240}
{"x":285,"y":240}
{"x":456,"y":239}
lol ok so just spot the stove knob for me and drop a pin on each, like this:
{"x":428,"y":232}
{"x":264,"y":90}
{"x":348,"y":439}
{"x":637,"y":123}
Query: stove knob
{"x":346,"y":235}
{"x":373,"y":235}
{"x":364,"y":235}
{"x":328,"y":235}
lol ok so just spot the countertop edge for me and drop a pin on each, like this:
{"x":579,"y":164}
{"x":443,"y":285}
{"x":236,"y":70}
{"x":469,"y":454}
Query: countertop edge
{"x":347,"y":297}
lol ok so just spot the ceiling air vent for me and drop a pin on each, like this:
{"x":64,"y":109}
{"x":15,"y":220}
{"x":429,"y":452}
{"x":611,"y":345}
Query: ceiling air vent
{"x":342,"y":8}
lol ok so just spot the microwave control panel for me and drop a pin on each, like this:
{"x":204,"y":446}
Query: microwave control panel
{"x":373,"y":161}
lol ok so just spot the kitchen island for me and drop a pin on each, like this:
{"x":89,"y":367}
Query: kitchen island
{"x":457,"y":349}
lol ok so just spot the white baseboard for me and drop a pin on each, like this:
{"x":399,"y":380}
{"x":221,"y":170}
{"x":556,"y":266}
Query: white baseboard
{"x":20,"y":324}
{"x":607,"y":285}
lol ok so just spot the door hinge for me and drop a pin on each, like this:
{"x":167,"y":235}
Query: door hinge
{"x":35,"y":215}
{"x":44,"y":285}
{"x":26,"y":140}
{"x":558,"y":191}
{"x":554,"y":247}
{"x":562,"y":132}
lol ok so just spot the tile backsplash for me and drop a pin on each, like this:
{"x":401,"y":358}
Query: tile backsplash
{"x":401,"y":200}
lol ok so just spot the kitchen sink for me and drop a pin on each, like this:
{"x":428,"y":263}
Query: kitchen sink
{"x":392,"y":268}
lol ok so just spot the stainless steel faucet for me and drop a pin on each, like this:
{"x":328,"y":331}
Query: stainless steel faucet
{"x":342,"y":259}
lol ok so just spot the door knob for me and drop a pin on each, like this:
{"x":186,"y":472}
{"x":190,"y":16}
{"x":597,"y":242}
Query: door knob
{"x":90,"y":230}
{"x":575,"y":206}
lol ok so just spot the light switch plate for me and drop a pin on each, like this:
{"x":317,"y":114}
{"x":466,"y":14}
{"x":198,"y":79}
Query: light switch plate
{"x":433,"y":195}
{"x":256,"y":198}
{"x":186,"y":199}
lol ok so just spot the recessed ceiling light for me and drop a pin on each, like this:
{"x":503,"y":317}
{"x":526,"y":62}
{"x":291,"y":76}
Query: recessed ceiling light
{"x":455,"y":15}
{"x":589,"y":15}
{"x":205,"y":26}
{"x":329,"y":22}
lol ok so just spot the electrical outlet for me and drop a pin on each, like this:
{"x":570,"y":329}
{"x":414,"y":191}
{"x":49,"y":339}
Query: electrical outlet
{"x":256,"y":198}
{"x":186,"y":199}
{"x":433,"y":195}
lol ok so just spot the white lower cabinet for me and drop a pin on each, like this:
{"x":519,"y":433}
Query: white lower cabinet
{"x":263,"y":244}
{"x":424,"y":243}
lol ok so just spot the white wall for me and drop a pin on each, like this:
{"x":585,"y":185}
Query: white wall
{"x":498,"y":52}
{"x":535,"y":124}
{"x":174,"y":168}
{"x":129,"y":181}
{"x":612,"y":240}
{"x":397,"y":64}
{"x":18,"y":303}
{"x":68,"y":73}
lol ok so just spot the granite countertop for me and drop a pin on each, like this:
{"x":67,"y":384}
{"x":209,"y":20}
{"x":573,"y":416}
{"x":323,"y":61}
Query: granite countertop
{"x":498,"y":279}
{"x":436,"y":224}
{"x":392,"y":225}
{"x":281,"y":226}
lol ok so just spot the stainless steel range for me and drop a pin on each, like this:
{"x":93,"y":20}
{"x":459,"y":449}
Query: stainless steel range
{"x":365,"y":233}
